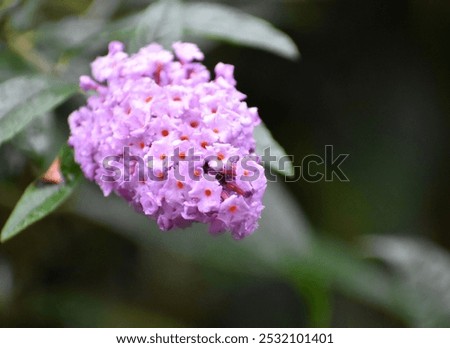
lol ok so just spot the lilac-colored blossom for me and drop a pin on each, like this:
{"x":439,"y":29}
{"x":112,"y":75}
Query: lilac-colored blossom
{"x":176,"y":144}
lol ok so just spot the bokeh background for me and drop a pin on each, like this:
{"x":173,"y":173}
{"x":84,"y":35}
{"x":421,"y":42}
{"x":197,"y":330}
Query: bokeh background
{"x":373,"y":80}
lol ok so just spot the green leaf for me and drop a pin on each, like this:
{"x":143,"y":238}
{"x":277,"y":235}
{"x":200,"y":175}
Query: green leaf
{"x":264,"y":143}
{"x":40,"y":199}
{"x":26,"y":97}
{"x":161,"y":22}
{"x":230,"y":24}
{"x":168,"y":21}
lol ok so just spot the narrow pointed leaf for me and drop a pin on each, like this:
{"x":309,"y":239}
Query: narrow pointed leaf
{"x":232,"y":25}
{"x":27,"y":97}
{"x":41,"y":198}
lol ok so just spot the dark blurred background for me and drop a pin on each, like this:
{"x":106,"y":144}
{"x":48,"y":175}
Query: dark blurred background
{"x":374,"y":82}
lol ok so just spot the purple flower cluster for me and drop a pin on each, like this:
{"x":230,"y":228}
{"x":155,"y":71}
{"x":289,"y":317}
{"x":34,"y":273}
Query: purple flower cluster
{"x":194,"y":134}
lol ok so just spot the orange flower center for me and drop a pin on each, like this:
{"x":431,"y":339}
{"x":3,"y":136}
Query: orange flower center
{"x":232,"y":209}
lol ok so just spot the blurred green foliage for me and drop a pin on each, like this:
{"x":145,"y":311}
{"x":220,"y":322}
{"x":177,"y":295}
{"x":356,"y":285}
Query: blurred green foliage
{"x":373,"y":81}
